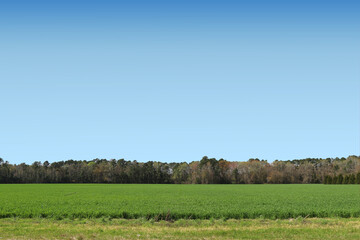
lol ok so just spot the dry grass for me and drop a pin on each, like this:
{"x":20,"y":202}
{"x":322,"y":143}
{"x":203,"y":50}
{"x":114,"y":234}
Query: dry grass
{"x":182,"y":229}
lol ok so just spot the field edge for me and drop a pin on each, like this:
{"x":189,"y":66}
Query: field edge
{"x":300,"y":228}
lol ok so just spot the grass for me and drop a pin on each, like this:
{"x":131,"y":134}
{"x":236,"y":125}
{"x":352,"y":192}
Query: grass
{"x":173,"y":202}
{"x":12,"y":228}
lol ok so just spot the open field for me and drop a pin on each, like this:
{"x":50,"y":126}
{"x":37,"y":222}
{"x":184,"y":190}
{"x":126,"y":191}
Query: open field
{"x":182,"y":229}
{"x":172,"y":202}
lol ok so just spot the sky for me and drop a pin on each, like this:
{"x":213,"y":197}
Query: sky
{"x":173,"y":81}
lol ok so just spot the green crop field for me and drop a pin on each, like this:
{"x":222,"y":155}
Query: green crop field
{"x":171,"y":202}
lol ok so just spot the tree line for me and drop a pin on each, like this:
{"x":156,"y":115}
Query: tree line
{"x":347,"y":179}
{"x":205,"y":171}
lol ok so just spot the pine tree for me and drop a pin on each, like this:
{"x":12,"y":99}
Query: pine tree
{"x":334,"y":180}
{"x":352,"y":179}
{"x":326,"y":180}
{"x":358,"y":178}
{"x":329,"y":180}
{"x":340,"y":179}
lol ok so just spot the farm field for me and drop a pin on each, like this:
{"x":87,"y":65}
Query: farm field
{"x":173,"y":202}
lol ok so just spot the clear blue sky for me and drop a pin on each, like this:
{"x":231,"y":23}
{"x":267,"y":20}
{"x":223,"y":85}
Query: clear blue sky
{"x":176,"y":80}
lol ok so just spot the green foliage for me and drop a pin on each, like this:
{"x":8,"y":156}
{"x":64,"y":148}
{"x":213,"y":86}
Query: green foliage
{"x":340,"y":179}
{"x":358,"y":178}
{"x":170,"y":202}
{"x":334,"y":180}
{"x":329,"y":180}
{"x":347,"y":179}
{"x":352,"y":179}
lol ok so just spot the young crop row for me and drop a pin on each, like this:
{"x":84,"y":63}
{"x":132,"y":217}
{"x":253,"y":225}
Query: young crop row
{"x":170,"y":202}
{"x":176,"y":216}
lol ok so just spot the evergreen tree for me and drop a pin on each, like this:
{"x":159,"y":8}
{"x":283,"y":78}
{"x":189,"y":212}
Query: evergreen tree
{"x":358,"y":178}
{"x":334,"y":180}
{"x":329,"y":180}
{"x":352,"y":179}
{"x":340,"y":179}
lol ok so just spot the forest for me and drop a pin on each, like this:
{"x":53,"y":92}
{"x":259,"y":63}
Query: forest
{"x":206,"y":171}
